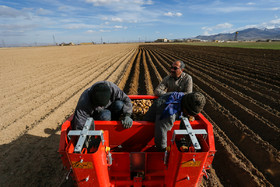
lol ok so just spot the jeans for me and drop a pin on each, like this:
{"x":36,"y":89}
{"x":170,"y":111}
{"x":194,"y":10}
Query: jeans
{"x":112,"y":113}
{"x":161,"y":128}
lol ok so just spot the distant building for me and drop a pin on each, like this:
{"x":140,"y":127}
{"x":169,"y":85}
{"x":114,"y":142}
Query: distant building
{"x":195,"y":40}
{"x":66,"y":44}
{"x":192,"y":40}
{"x":162,"y":40}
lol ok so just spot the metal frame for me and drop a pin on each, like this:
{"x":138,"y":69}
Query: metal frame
{"x":84,"y":133}
{"x":179,"y":169}
{"x":189,"y":131}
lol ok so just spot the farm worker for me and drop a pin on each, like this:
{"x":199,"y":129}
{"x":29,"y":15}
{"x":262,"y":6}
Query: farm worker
{"x":169,"y":107}
{"x":177,"y":81}
{"x":103,"y":101}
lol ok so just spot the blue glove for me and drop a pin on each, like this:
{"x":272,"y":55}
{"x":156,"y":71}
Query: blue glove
{"x":127,"y":122}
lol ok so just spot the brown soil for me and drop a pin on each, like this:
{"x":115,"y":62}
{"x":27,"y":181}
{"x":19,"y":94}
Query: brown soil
{"x":40,"y":88}
{"x":242,"y":91}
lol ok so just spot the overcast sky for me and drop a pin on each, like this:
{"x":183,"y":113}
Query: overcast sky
{"x":46,"y":21}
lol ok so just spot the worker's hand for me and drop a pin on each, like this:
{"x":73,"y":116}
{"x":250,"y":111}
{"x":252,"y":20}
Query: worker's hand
{"x":99,"y":109}
{"x":127,"y":122}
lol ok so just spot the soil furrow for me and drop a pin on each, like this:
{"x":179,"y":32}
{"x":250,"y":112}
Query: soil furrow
{"x":148,"y":81}
{"x":221,"y":66}
{"x":160,"y":68}
{"x":22,"y":110}
{"x":241,"y":88}
{"x":260,"y":125}
{"x":250,"y":143}
{"x":155,"y":76}
{"x":266,"y":101}
{"x":125,"y":76}
{"x":141,"y":90}
{"x":257,"y":106}
{"x":44,"y":110}
{"x":51,"y":82}
{"x":53,"y":71}
{"x":134,"y":84}
{"x":227,"y":63}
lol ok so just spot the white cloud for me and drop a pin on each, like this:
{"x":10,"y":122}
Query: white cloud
{"x":276,"y":21}
{"x":102,"y":2}
{"x":117,"y":19}
{"x":233,"y":9}
{"x":218,"y":26}
{"x":118,"y":27}
{"x":69,"y":9}
{"x":126,"y":11}
{"x":206,"y":33}
{"x":171,"y":14}
{"x":42,"y":11}
{"x":101,"y":30}
{"x":251,"y":3}
{"x":6,"y":11}
{"x":119,"y":2}
{"x":228,"y":28}
{"x":113,"y":19}
{"x":90,"y":31}
{"x":223,"y":27}
{"x":271,"y":24}
{"x":217,"y":7}
{"x":17,"y":27}
{"x":125,"y":17}
{"x":79,"y":26}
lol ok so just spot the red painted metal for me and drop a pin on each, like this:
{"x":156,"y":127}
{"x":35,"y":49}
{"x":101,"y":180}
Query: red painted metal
{"x":181,"y":169}
{"x":142,"y":97}
{"x":91,"y":169}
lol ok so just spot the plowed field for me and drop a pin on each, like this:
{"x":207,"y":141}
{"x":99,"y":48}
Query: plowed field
{"x":40,"y":88}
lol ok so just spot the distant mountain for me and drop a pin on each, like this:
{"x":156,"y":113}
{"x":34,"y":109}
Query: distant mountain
{"x":247,"y":34}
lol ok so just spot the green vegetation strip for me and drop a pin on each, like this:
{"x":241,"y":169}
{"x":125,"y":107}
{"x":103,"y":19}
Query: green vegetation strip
{"x":255,"y":45}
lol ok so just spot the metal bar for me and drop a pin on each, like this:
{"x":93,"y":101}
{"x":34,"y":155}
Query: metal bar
{"x":189,"y":131}
{"x":84,"y":133}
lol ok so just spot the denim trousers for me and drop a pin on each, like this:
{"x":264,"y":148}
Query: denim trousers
{"x":112,"y":113}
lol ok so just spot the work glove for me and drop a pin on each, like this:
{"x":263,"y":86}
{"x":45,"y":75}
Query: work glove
{"x":127,"y":122}
{"x":99,"y":109}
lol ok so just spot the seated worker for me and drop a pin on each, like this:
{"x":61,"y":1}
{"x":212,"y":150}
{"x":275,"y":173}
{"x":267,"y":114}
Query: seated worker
{"x":177,"y":81}
{"x":103,"y":101}
{"x":169,"y":107}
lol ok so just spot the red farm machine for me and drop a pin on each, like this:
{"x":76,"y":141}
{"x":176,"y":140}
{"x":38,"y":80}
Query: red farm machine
{"x":128,"y":157}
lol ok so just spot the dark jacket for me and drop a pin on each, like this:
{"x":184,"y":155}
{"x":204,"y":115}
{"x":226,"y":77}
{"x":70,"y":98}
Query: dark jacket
{"x":84,"y":108}
{"x":157,"y":108}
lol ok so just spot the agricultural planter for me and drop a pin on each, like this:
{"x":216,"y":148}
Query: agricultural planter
{"x":103,"y":153}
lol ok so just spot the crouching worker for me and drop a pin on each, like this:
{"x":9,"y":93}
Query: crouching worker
{"x":169,"y":107}
{"x":103,"y":101}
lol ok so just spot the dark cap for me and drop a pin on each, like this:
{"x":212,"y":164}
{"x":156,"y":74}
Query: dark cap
{"x":100,"y":94}
{"x":193,"y":102}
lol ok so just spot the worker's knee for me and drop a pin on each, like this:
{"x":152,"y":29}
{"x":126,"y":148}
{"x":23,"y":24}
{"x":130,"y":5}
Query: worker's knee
{"x":105,"y":115}
{"x":116,"y":109}
{"x":117,"y":106}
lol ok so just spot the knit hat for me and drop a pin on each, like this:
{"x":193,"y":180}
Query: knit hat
{"x":193,"y":102}
{"x":100,"y":94}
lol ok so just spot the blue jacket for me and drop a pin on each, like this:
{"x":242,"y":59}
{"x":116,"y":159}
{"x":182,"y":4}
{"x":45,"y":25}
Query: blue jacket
{"x":165,"y":105}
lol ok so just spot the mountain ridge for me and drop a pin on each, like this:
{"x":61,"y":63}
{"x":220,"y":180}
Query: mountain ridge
{"x":246,"y":34}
